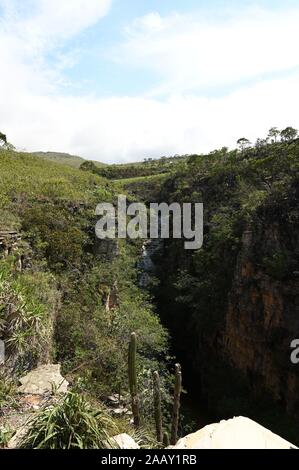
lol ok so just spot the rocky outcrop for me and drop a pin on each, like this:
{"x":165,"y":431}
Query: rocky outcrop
{"x":42,"y":380}
{"x":9,"y":240}
{"x":107,"y":249}
{"x":124,"y":441}
{"x":262,"y":317}
{"x":236,"y":433}
{"x":233,"y":310}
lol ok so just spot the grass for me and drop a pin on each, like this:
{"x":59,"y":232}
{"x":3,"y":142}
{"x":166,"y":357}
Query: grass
{"x":55,"y":305}
{"x":8,"y":390}
{"x":140,"y":179}
{"x":27,"y":303}
{"x":5,"y":436}
{"x":73,"y":161}
{"x":24,"y":177}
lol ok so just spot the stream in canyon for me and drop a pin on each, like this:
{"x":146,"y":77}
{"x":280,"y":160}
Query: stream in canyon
{"x":194,"y":412}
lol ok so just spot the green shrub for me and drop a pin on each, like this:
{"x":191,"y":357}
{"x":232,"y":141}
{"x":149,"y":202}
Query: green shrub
{"x":27,"y":303}
{"x":70,"y":424}
{"x":5,"y":436}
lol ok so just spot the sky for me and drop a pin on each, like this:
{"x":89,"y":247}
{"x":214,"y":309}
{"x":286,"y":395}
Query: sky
{"x":124,"y":80}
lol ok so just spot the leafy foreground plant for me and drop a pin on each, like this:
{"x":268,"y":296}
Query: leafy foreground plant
{"x":5,"y":436}
{"x":71,"y":424}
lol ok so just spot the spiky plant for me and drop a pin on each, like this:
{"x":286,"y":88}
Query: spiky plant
{"x":133,"y":379}
{"x":157,"y":405}
{"x":25,"y":323}
{"x":5,"y":436}
{"x":71,"y":424}
{"x":176,"y":404}
{"x":166,"y":441}
{"x":8,"y":389}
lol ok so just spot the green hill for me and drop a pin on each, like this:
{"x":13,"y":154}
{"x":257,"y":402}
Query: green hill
{"x":149,"y":167}
{"x":56,"y":280}
{"x":231,"y":307}
{"x":64,"y":158}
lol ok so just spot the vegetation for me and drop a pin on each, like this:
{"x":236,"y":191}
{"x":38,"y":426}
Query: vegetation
{"x":27,"y":304}
{"x":63,"y":298}
{"x":7,"y":390}
{"x":3,"y":139}
{"x":133,"y":379}
{"x":63,"y":158}
{"x":157,"y":406}
{"x":149,"y":167}
{"x":253,"y":189}
{"x":166,"y":441}
{"x":55,"y":281}
{"x":157,"y":396}
{"x":176,"y":404}
{"x":5,"y":436}
{"x":71,"y":424}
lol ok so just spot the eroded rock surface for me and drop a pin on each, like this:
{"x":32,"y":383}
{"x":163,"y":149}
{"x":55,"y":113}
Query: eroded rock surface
{"x":42,"y":380}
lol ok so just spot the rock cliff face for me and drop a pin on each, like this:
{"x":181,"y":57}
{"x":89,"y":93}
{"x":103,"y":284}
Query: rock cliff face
{"x":233,"y":310}
{"x":263,"y":311}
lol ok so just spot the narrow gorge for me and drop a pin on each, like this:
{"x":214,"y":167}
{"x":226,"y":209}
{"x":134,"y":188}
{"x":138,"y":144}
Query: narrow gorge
{"x":227,"y":312}
{"x":232,"y":308}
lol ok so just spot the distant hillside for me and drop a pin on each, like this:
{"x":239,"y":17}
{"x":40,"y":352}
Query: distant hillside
{"x":65,"y":275}
{"x":64,"y":158}
{"x":148,"y":167}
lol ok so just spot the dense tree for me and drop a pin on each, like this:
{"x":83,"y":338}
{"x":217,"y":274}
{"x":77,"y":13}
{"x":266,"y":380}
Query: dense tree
{"x":88,"y":166}
{"x":288,"y":134}
{"x":4,"y":142}
{"x":3,"y":139}
{"x":243,"y":143}
{"x":273,"y":134}
{"x":261,"y":143}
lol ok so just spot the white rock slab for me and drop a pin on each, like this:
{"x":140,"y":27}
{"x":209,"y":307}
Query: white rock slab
{"x":236,"y":433}
{"x":124,"y":441}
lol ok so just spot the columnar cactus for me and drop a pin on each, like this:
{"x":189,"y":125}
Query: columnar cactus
{"x":176,"y":404}
{"x":157,"y":406}
{"x":133,"y":379}
{"x":166,"y":442}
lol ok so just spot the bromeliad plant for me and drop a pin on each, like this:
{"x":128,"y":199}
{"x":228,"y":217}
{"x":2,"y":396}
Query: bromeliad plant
{"x":70,"y":424}
{"x":25,"y":316}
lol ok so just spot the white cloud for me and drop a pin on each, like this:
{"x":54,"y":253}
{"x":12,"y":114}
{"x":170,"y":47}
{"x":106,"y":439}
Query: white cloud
{"x":193,"y":53}
{"x":124,"y":129}
{"x":188,"y":54}
{"x":28,"y":34}
{"x":51,"y":19}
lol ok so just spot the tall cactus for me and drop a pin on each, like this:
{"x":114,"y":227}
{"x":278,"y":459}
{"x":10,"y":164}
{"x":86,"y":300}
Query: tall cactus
{"x":133,"y":379}
{"x":176,"y":404}
{"x":166,"y":442}
{"x":157,"y":406}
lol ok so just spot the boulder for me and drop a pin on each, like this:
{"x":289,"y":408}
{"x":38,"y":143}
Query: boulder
{"x":120,"y":411}
{"x":124,"y":441}
{"x":236,"y":433}
{"x":43,"y":380}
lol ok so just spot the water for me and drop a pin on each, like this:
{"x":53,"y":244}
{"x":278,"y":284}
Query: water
{"x":146,"y":265}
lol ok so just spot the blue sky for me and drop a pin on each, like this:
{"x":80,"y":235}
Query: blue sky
{"x":106,"y":77}
{"x":121,"y":80}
